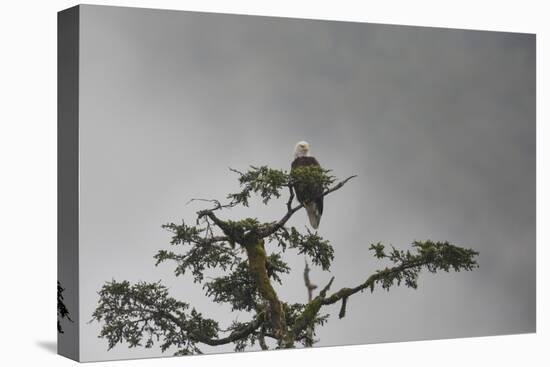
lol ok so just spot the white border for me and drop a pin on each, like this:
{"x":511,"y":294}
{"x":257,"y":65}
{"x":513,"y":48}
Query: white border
{"x":28,"y":180}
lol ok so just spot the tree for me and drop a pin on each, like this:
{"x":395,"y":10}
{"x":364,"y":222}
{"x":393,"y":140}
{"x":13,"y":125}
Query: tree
{"x":62,"y":311}
{"x":143,"y":314}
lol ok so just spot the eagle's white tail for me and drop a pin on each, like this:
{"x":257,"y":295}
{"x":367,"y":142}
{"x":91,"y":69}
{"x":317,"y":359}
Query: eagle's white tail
{"x":313,"y":214}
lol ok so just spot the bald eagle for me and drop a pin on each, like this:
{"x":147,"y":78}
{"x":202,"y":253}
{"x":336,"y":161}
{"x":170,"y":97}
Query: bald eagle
{"x":308,"y":196}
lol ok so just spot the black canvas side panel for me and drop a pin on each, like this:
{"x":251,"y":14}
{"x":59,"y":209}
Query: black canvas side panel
{"x":67,"y":182}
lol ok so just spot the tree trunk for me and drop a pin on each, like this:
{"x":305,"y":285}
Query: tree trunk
{"x":257,"y":263}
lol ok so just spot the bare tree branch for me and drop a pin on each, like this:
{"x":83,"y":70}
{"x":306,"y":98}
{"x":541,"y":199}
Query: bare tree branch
{"x":310,"y":287}
{"x":290,"y":198}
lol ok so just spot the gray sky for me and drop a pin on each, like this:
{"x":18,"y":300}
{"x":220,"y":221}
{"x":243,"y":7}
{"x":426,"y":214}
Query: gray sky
{"x":438,"y":124}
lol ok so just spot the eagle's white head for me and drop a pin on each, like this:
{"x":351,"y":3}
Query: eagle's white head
{"x":301,"y":149}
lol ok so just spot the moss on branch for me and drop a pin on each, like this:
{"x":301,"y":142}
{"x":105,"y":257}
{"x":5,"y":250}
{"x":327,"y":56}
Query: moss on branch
{"x":257,"y":262}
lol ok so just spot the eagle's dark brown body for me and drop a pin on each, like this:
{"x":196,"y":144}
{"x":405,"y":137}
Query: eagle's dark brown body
{"x":315,"y":208}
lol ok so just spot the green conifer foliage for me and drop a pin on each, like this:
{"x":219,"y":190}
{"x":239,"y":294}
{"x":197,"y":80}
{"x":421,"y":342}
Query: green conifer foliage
{"x":249,"y":257}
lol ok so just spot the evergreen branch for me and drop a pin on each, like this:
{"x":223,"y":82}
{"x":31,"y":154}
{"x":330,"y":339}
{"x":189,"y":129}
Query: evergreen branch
{"x":206,"y":251}
{"x":144,"y":312}
{"x":265,"y":181}
{"x":62,"y":311}
{"x":433,"y":256}
{"x":274,"y":227}
{"x":311,"y":244}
